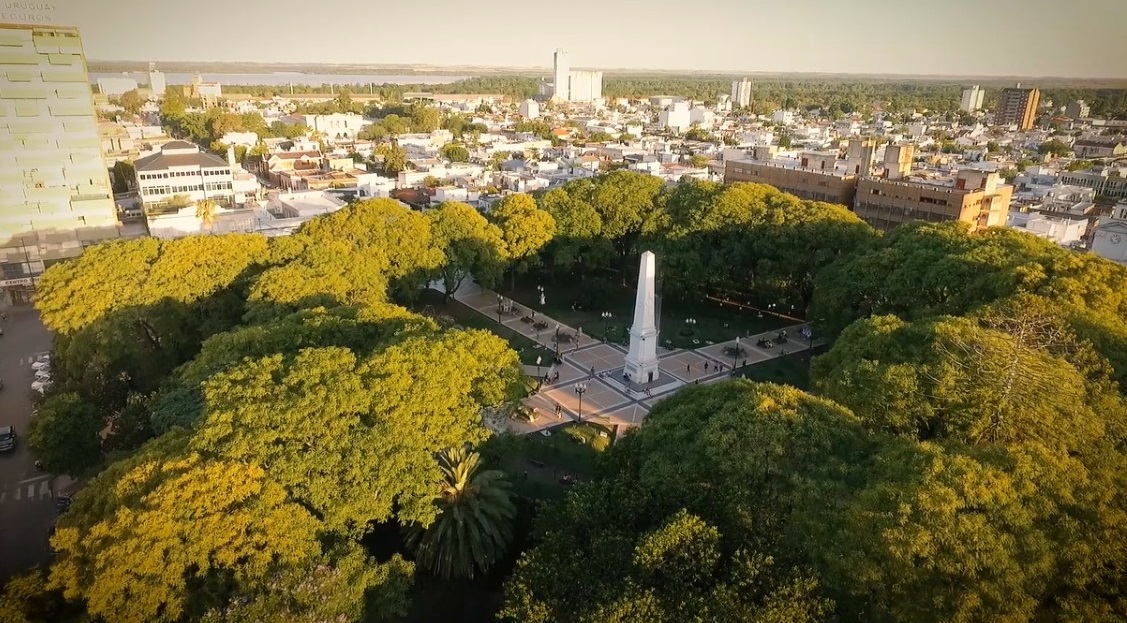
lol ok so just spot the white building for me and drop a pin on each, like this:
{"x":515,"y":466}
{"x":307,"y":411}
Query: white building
{"x":1063,"y":229}
{"x":701,"y":115}
{"x":336,"y":125}
{"x":157,"y":82}
{"x":972,"y":99}
{"x":675,"y":117}
{"x":585,"y":86}
{"x":180,"y":168}
{"x":741,"y":92}
{"x":784,"y":117}
{"x":116,"y":86}
{"x":1110,"y":239}
{"x":561,"y":69}
{"x":246,"y":139}
{"x":529,"y":109}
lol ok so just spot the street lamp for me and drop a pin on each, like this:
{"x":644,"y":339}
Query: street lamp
{"x":735,"y":355}
{"x":580,"y":389}
{"x":541,"y":289}
{"x":500,"y":305}
{"x":606,"y":325}
{"x":692,"y":322}
{"x":538,"y":368}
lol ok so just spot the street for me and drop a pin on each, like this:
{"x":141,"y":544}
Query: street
{"x":26,"y":504}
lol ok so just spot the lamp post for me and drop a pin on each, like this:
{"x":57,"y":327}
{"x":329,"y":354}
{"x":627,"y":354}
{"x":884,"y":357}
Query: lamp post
{"x":538,"y":369}
{"x":541,"y":289}
{"x":606,"y":325}
{"x":735,"y":355}
{"x":580,"y":389}
{"x":500,"y":306}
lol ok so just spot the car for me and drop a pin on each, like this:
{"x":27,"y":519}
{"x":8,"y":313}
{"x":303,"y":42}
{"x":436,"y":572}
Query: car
{"x":41,"y":385}
{"x":7,"y":438}
{"x":41,"y":365}
{"x":546,"y":433}
{"x":43,"y":374}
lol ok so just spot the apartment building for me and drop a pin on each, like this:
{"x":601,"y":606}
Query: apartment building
{"x":1017,"y":106}
{"x":741,"y":92}
{"x":55,"y":193}
{"x":972,"y":99}
{"x":817,"y":176}
{"x":180,"y":168}
{"x":978,"y":198}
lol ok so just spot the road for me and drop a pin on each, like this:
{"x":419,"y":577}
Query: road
{"x":26,"y":499}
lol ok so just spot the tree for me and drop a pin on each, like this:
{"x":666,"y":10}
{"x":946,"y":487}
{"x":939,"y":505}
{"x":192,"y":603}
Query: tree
{"x":455,"y":152}
{"x":205,"y":212}
{"x":123,"y":176}
{"x":394,"y":158}
{"x":471,"y":244}
{"x":699,"y":161}
{"x":525,"y":228}
{"x":698,"y":134}
{"x":424,"y":118}
{"x":474,"y":527}
{"x":131,"y":101}
{"x":1054,"y":147}
{"x":183,"y":523}
{"x":64,"y":434}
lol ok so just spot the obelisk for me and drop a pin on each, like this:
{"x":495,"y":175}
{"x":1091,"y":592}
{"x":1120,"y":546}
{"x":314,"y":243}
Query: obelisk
{"x":641,"y":361}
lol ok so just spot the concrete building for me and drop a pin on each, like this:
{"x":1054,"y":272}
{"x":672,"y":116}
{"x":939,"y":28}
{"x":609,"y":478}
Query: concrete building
{"x":1017,"y":106}
{"x":561,"y":67}
{"x":55,"y":193}
{"x":1063,"y":229}
{"x":157,"y":82}
{"x":529,"y":109}
{"x":1077,"y":110}
{"x":675,"y":117}
{"x":180,"y":168}
{"x":741,"y":92}
{"x":112,"y":87}
{"x":584,"y":86}
{"x":972,"y":99}
{"x":1100,"y":147}
{"x":978,"y":198}
{"x":209,"y":93}
{"x":812,"y":175}
{"x":784,"y":117}
{"x":333,"y":126}
{"x":1109,"y":240}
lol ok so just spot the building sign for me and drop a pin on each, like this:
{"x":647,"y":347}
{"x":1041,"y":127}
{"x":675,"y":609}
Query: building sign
{"x":23,"y":281}
{"x":27,"y":12}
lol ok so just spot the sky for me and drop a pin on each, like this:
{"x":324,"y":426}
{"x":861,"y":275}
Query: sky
{"x":1066,"y":38}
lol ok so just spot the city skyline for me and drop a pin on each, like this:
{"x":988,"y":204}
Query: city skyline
{"x":880,"y":37}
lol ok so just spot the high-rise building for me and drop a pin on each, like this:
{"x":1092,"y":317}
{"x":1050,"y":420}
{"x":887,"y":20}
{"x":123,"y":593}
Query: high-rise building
{"x":1017,"y":106}
{"x":972,"y":99}
{"x":55,"y":193}
{"x":584,"y":86}
{"x":157,"y":83}
{"x":560,"y":75}
{"x":741,"y":92}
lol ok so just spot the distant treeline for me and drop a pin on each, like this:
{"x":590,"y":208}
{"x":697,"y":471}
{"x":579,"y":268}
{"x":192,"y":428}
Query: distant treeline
{"x":767,"y":95}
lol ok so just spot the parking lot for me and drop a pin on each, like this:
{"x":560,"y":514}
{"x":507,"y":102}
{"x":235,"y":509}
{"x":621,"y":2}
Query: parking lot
{"x":26,"y":505}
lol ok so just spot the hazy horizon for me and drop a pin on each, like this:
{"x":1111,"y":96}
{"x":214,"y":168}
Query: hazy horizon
{"x":1000,"y":38}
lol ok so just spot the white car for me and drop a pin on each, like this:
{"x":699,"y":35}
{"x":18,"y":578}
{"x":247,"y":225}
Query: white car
{"x":41,"y":386}
{"x":41,"y":365}
{"x":42,"y":373}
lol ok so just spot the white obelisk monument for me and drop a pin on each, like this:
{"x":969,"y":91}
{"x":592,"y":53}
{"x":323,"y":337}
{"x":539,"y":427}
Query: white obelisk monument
{"x":641,"y":361}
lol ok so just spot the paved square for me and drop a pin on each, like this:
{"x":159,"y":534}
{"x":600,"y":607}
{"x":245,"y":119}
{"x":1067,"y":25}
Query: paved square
{"x":596,"y":400}
{"x":752,"y":353}
{"x":687,"y":365}
{"x":601,"y":357}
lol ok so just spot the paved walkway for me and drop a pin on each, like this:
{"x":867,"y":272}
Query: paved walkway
{"x":590,"y":384}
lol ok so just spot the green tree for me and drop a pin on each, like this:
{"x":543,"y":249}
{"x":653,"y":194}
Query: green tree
{"x":131,"y":101}
{"x":64,"y":434}
{"x":425,"y":118}
{"x":394,"y":158}
{"x":699,"y":161}
{"x":471,"y":244}
{"x":474,"y":526}
{"x":525,"y":229}
{"x":1055,"y":147}
{"x":455,"y":152}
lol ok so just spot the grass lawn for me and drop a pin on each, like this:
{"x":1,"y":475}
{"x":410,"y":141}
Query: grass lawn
{"x":462,"y":315}
{"x":792,"y":369}
{"x":714,"y":322}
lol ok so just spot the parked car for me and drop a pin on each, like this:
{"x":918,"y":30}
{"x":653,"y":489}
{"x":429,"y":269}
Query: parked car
{"x":43,"y":374}
{"x":41,"y":385}
{"x":7,"y":438}
{"x":42,"y":361}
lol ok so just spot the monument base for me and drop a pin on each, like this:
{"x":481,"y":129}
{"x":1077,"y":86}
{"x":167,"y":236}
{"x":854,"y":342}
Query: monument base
{"x":616,"y":378}
{"x":642,"y":373}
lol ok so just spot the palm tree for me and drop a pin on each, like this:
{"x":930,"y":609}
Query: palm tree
{"x":475,"y":518}
{"x":205,"y":211}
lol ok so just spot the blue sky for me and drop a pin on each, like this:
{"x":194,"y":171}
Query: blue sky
{"x":1073,"y":38}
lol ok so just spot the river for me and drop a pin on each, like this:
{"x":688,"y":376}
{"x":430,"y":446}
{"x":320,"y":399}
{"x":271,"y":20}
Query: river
{"x":284,"y":78}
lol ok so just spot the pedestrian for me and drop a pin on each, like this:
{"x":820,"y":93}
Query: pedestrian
{"x":688,"y":368}
{"x":706,"y":366}
{"x":556,"y":375}
{"x":39,"y":465}
{"x":592,"y":371}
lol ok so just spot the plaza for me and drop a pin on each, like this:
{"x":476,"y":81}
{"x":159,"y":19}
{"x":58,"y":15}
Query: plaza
{"x":595,"y":368}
